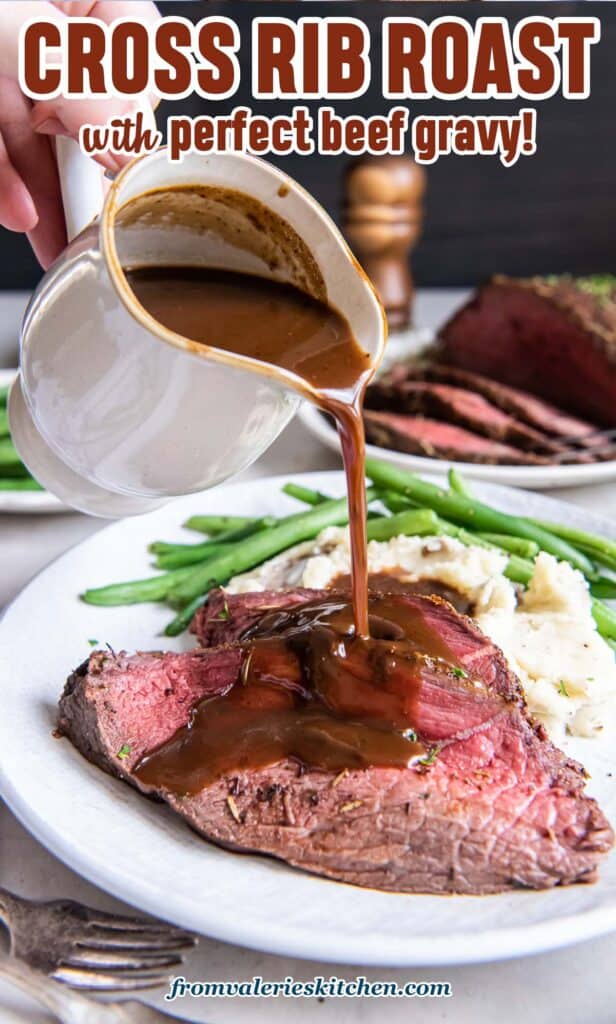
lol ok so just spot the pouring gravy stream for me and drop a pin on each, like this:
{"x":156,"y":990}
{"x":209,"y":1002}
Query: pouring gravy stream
{"x":330,"y":684}
{"x":280,"y":325}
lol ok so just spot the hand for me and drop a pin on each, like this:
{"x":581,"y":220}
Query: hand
{"x":30,"y":198}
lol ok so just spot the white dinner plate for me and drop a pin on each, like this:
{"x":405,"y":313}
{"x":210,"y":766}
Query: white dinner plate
{"x":27,"y":501}
{"x":533,"y":477}
{"x":141,"y":852}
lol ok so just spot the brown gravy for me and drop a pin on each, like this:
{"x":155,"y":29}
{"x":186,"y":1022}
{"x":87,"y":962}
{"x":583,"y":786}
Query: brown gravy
{"x":313,"y":690}
{"x":277,"y":324}
{"x":263,"y":319}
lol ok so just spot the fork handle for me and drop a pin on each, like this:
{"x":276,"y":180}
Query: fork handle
{"x":69,"y":1007}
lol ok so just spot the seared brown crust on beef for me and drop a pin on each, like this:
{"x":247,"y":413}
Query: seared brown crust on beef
{"x":499,"y":807}
{"x":554,"y":337}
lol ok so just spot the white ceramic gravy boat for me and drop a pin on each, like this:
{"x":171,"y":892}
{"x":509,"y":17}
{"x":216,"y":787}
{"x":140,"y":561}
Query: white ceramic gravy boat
{"x":113,"y":412}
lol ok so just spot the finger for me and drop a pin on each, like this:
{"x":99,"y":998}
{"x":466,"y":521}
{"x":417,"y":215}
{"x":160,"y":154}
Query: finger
{"x":63,"y":116}
{"x":32,"y":157}
{"x":17,"y":209}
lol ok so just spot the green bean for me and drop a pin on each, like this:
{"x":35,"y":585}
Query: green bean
{"x":414,"y":522}
{"x":254,"y":550}
{"x":458,"y":485}
{"x":4,"y":394}
{"x":610,"y":642}
{"x":154,"y":588}
{"x":605,"y":618}
{"x":515,"y":545}
{"x":20,"y":483}
{"x":161,"y":547}
{"x":580,"y":538}
{"x":604,"y":587}
{"x":217,"y":524}
{"x":600,"y":557}
{"x":190,"y":555}
{"x":396,"y":502}
{"x":305,"y":494}
{"x":183,"y":619}
{"x":473,"y":513}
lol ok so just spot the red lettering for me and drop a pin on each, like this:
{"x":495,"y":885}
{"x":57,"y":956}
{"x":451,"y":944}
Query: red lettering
{"x":37,"y":79}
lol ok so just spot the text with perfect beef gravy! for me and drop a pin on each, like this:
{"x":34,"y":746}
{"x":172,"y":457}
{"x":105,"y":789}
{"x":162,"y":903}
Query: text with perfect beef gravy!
{"x":311,"y":689}
{"x":280,"y":325}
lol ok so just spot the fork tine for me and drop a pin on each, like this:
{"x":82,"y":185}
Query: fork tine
{"x":100,"y":938}
{"x":109,"y":981}
{"x":130,"y":924}
{"x":82,"y":956}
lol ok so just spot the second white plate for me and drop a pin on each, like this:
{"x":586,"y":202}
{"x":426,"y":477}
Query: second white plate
{"x":534,"y":477}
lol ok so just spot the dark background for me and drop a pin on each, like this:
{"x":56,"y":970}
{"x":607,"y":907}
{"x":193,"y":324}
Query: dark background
{"x":549,"y":213}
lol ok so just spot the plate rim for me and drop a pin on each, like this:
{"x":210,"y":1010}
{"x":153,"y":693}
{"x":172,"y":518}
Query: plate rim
{"x":494,"y":944}
{"x":525,"y":477}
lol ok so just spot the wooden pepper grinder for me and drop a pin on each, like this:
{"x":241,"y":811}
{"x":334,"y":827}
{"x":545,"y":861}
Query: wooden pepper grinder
{"x":382,"y":218}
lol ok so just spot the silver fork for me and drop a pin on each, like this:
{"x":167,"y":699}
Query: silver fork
{"x":70,"y":1007}
{"x":89,"y":949}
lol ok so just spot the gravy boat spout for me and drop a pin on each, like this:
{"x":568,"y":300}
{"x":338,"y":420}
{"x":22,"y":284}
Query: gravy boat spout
{"x":115,"y":413}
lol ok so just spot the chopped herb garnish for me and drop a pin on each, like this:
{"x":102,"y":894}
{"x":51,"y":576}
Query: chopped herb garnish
{"x":410,"y":734}
{"x":562,"y":688}
{"x":350,"y":806}
{"x":233,"y":810}
{"x":92,"y":642}
{"x":459,"y":673}
{"x":224,"y":613}
{"x":430,"y":757}
{"x":124,"y":751}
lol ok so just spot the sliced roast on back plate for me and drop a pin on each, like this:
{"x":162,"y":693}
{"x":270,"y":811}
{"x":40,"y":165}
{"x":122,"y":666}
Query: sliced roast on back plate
{"x":554,"y":337}
{"x":527,"y":408}
{"x":418,"y":435}
{"x":494,"y":806}
{"x":461,"y":406}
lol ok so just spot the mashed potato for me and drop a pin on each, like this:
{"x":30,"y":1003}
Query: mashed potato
{"x":546,"y":632}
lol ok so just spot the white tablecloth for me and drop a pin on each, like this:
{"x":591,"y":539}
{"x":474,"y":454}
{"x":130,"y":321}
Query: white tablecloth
{"x":573,"y":986}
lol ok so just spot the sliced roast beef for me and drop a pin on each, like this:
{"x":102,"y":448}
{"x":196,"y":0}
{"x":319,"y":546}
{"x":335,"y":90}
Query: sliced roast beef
{"x":527,"y":408}
{"x":494,"y":806}
{"x":226,"y":617}
{"x":451,"y":404}
{"x":120,"y":706}
{"x":418,"y":435}
{"x":554,"y":337}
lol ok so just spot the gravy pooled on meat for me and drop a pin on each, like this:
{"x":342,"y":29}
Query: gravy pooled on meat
{"x":312,"y":690}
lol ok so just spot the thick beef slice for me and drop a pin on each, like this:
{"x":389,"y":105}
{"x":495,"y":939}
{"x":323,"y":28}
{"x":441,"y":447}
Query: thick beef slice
{"x":498,"y":807}
{"x":527,"y":408}
{"x":417,"y":435}
{"x":116,"y":707}
{"x":450,"y":404}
